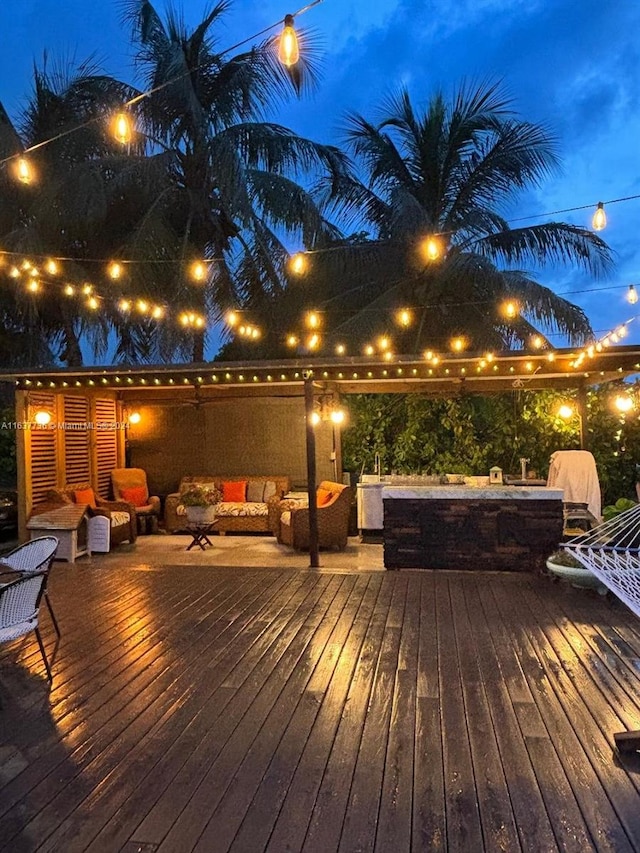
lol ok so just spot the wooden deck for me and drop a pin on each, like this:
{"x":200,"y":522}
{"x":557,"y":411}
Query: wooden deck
{"x":212,"y":709}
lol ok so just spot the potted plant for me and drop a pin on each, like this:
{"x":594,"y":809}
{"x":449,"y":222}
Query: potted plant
{"x":200,"y":503}
{"x":564,"y":565}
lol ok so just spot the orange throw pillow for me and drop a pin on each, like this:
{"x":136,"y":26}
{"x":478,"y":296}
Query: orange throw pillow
{"x":136,"y":495}
{"x":235,"y":491}
{"x":323,"y":497}
{"x":85,"y":496}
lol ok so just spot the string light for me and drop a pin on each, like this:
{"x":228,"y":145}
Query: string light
{"x":288,"y":51}
{"x":599,"y":221}
{"x":24,"y":171}
{"x":198,"y":271}
{"x":122,"y":129}
{"x":298,"y":264}
{"x":431,"y":248}
{"x":632,"y":295}
{"x":115,"y":270}
{"x":404,"y":317}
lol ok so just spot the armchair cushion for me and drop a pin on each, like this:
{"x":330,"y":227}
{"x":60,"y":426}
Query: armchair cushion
{"x":85,"y":496}
{"x":136,"y":495}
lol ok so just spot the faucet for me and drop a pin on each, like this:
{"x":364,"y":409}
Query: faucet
{"x":523,"y":467}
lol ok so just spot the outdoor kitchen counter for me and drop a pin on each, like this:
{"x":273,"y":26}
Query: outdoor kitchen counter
{"x":507,"y":528}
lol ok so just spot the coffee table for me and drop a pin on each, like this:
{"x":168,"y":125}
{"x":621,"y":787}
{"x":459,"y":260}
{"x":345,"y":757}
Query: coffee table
{"x":199,"y":531}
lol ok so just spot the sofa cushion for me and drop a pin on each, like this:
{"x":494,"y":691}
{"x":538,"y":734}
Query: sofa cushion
{"x":255,"y":490}
{"x":270,"y":489}
{"x":234,"y":490}
{"x":136,"y":495}
{"x":245,"y":509}
{"x":119,"y":517}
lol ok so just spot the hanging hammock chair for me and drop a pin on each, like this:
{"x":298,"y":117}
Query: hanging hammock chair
{"x":611,"y":551}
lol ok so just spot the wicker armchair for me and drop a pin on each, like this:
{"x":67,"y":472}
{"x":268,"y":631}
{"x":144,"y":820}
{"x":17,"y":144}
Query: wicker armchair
{"x":333,"y":519}
{"x":130,"y":484}
{"x":122,"y":529}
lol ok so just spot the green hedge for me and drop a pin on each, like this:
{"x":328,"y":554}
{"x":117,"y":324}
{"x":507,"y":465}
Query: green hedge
{"x":470,"y":434}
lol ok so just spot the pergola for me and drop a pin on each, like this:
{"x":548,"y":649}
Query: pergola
{"x":306,"y":377}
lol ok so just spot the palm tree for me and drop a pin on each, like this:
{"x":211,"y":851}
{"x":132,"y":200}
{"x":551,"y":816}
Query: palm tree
{"x":446,"y":172}
{"x":63,"y":212}
{"x":225,"y":182}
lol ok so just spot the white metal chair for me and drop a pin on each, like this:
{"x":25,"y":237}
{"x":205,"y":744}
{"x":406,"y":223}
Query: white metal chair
{"x":34,"y":556}
{"x":19,"y":606}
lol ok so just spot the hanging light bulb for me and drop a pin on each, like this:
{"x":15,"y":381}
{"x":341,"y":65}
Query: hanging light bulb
{"x":432,"y":248}
{"x":288,"y":51}
{"x":122,"y":129}
{"x":510,"y":310}
{"x":599,"y":220}
{"x":298,"y":263}
{"x":115,"y":270}
{"x":51,"y":267}
{"x":198,"y":271}
{"x":23,"y":171}
{"x":632,"y":295}
{"x":403,"y":317}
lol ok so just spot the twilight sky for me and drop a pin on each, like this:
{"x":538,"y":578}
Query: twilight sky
{"x":573,"y":67}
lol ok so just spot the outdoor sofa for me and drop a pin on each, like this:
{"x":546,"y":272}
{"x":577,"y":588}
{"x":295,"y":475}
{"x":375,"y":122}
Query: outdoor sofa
{"x":247,"y":512}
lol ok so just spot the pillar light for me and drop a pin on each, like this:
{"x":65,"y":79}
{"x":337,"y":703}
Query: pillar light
{"x":288,"y":50}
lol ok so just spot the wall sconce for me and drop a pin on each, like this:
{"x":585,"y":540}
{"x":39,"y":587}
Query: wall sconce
{"x":134,"y":418}
{"x":42,"y":417}
{"x":327,"y":409}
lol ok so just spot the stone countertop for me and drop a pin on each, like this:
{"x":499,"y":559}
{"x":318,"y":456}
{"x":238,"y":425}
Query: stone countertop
{"x":535,"y":493}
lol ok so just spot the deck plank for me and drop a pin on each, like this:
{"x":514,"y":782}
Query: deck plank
{"x":200,"y":709}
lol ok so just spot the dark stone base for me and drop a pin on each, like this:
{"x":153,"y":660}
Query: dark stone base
{"x":474,"y":534}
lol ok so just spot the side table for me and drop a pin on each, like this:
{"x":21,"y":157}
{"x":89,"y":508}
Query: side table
{"x":199,"y":531}
{"x":69,"y":524}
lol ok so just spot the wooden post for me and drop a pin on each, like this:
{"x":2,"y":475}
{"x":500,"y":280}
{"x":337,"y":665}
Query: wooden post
{"x":314,"y":560}
{"x":583,"y":415}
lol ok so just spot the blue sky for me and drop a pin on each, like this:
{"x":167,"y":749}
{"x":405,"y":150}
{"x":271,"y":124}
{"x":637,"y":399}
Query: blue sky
{"x":573,"y":67}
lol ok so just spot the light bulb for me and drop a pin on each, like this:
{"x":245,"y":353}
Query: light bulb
{"x":337,"y":416}
{"x":599,"y":220}
{"x":566,"y":411}
{"x":42,"y":417}
{"x":288,"y":50}
{"x":115,"y":270}
{"x":632,"y":295}
{"x":135,"y":418}
{"x":432,"y":248}
{"x":23,"y":170}
{"x":122,"y":128}
{"x":404,"y":317}
{"x":298,"y":263}
{"x":623,"y":403}
{"x":315,"y":418}
{"x":198,"y":271}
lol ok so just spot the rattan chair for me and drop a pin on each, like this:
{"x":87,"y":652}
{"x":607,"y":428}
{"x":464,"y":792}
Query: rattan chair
{"x":33,"y":557}
{"x":19,"y":607}
{"x":127,"y":481}
{"x":333,"y":520}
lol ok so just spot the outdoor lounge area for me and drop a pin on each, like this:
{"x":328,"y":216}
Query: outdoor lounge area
{"x":217,"y":708}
